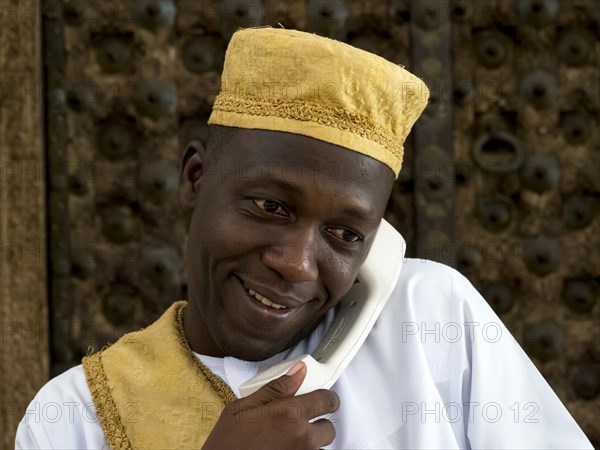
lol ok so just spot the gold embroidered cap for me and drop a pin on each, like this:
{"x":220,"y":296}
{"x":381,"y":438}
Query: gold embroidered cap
{"x":288,"y":80}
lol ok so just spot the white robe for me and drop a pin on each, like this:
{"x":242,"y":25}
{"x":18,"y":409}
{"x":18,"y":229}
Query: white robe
{"x":438,"y":370}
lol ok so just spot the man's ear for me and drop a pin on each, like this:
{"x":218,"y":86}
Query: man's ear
{"x":192,"y":170}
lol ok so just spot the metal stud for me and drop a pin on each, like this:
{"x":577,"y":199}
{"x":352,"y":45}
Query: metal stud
{"x":118,"y":305}
{"x":158,"y":180}
{"x":462,"y":93}
{"x":538,"y":88}
{"x":240,"y":14}
{"x":491,"y":48}
{"x":538,"y":13}
{"x":495,"y":215}
{"x":463,"y":173}
{"x":74,"y":12}
{"x":429,"y":15}
{"x":544,"y":340}
{"x":499,"y":295}
{"x":435,"y":185}
{"x":202,"y":53}
{"x":160,"y":267}
{"x":469,"y":259}
{"x":116,"y":140}
{"x":118,"y":224}
{"x":155,"y":98}
{"x":540,"y":173}
{"x":578,"y":212}
{"x":435,"y":173}
{"x":399,"y":12}
{"x":82,"y":97}
{"x":580,"y":295}
{"x":153,"y":14}
{"x":586,"y":381}
{"x":576,"y":127}
{"x":461,"y":10}
{"x":78,"y":183}
{"x":114,"y":54}
{"x":327,"y":18}
{"x":542,"y":255}
{"x":83,"y":263}
{"x":575,"y":47}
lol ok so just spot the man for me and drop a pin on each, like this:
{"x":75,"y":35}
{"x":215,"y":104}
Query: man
{"x":306,"y":142}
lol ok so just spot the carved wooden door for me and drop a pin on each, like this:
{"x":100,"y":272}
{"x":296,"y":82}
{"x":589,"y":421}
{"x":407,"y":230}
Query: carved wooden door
{"x":501,"y":178}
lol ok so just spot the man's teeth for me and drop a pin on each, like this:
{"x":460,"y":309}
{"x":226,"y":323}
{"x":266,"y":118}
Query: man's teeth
{"x":265,"y":301}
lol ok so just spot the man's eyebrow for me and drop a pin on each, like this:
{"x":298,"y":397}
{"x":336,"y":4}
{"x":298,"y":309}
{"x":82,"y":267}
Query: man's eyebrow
{"x":360,"y":213}
{"x":282,"y":184}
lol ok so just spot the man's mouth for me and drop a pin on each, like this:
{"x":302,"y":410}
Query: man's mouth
{"x":265,"y":301}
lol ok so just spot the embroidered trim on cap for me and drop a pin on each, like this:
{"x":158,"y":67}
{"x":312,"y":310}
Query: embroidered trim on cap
{"x":339,"y":118}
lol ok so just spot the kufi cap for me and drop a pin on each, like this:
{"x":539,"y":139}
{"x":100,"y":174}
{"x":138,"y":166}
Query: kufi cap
{"x":288,"y":80}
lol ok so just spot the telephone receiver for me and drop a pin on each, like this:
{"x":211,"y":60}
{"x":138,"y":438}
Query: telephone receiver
{"x":358,"y":311}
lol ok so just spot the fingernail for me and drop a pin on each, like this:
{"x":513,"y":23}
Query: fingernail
{"x":295,"y":368}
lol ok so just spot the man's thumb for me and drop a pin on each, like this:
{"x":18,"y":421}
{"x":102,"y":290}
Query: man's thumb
{"x":285,"y":386}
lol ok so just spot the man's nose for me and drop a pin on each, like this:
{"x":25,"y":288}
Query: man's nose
{"x":296,"y":259}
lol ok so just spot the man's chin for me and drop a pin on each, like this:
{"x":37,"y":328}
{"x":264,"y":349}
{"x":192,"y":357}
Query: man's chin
{"x":259,"y":348}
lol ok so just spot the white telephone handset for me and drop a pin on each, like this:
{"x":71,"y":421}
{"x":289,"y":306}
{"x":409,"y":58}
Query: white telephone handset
{"x":359,"y":309}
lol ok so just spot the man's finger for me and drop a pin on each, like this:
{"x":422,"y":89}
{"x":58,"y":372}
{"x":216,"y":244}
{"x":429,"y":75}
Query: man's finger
{"x":318,"y":403}
{"x":322,"y":433}
{"x":282,"y":387}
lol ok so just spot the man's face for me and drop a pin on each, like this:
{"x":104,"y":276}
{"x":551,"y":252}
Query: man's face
{"x":280,"y":226}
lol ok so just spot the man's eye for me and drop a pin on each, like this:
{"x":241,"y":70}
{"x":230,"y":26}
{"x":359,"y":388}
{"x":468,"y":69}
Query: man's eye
{"x":345,"y":235}
{"x":271,"y":207}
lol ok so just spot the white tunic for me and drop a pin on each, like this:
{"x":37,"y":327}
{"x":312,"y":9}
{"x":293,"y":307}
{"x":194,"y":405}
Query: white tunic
{"x":439,"y":370}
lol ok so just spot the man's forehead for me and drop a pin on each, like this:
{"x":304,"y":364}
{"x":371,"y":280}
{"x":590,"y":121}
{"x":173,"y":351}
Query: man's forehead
{"x":290,"y":156}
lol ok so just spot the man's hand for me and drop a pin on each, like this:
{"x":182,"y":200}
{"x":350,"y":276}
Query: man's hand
{"x":272,"y":418}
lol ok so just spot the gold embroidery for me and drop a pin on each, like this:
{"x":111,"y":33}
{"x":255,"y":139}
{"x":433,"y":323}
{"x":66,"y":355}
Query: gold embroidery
{"x":106,"y":408}
{"x":219,"y":386}
{"x":154,"y":376}
{"x":330,"y":116}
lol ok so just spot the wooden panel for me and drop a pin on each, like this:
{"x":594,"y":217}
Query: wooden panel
{"x":24,"y":358}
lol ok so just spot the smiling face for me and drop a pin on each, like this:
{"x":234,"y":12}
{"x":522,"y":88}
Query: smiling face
{"x":280,"y":226}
